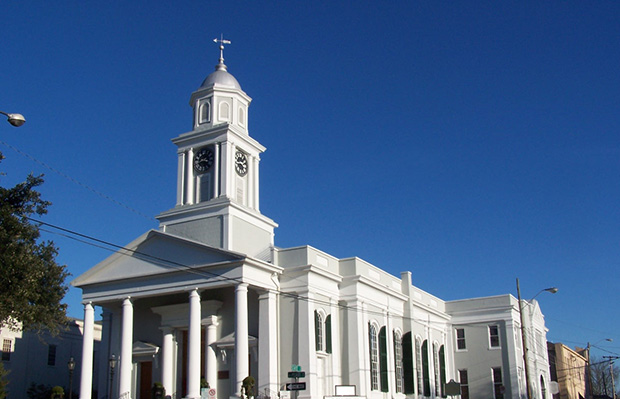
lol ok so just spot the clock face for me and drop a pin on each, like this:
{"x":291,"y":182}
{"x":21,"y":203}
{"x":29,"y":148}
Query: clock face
{"x":241,"y":163}
{"x":203,"y":160}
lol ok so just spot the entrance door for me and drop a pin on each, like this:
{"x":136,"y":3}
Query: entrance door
{"x":146,"y":380}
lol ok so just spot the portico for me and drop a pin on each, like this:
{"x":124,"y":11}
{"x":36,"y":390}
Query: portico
{"x":183,"y":313}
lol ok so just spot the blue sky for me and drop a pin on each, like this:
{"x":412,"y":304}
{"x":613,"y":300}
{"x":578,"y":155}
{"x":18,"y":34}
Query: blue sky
{"x":471,"y":143}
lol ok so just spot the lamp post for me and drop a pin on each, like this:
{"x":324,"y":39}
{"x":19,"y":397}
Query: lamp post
{"x":552,"y":290}
{"x":112,"y":364}
{"x":15,"y":119}
{"x":71,"y":367}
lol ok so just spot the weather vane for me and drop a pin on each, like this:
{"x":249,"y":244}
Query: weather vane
{"x":222,"y":42}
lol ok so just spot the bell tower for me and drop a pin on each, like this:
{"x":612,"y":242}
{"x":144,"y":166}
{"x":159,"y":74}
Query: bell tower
{"x":217,"y":179}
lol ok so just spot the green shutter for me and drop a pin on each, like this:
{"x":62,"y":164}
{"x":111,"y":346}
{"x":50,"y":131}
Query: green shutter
{"x":427,"y":381}
{"x":328,"y":334}
{"x":370,"y":348}
{"x":408,"y":363}
{"x":442,"y":371}
{"x":383,"y":362}
{"x":317,"y":345}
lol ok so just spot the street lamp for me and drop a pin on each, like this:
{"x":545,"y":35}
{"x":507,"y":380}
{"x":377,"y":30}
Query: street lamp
{"x":71,"y":367}
{"x":15,"y":119}
{"x":552,"y":290}
{"x":112,"y":364}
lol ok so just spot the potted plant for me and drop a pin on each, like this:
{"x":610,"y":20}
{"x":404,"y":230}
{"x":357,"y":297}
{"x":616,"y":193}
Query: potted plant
{"x":158,"y":391}
{"x":248,"y":386}
{"x":57,"y":393}
{"x":204,"y":388}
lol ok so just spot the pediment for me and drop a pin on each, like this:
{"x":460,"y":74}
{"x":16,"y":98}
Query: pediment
{"x":140,"y":348}
{"x":155,"y":253}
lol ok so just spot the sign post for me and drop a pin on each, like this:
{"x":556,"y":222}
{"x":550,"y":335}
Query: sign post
{"x":296,"y":386}
{"x":453,"y":388}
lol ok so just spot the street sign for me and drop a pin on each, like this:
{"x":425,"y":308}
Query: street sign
{"x":296,"y":386}
{"x":296,"y":374}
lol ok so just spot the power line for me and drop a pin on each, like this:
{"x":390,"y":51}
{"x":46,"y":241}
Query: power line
{"x":79,"y":183}
{"x":109,"y":246}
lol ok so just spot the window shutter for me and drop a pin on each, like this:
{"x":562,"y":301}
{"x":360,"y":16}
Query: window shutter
{"x":383,"y":362}
{"x":317,"y":345}
{"x":370,"y":347}
{"x":442,"y":368}
{"x":408,"y":363}
{"x":427,"y":381}
{"x":328,"y":334}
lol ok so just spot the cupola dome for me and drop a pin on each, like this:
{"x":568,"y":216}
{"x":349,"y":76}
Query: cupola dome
{"x":221,"y":77}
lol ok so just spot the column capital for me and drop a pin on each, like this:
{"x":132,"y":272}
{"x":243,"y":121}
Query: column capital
{"x":267,"y":294}
{"x":210,"y":321}
{"x":166,"y":329}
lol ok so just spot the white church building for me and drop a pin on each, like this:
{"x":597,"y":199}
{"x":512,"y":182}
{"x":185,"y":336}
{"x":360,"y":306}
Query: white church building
{"x":208,"y":297}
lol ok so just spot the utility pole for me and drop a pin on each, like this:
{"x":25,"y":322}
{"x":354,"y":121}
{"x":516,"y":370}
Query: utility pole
{"x":589,"y":392}
{"x":611,"y":374}
{"x":524,"y":343}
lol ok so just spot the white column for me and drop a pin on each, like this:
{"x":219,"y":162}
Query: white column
{"x":241,"y":335}
{"x":227,"y":169}
{"x":193,"y":349}
{"x":336,"y":351}
{"x":255,"y":183}
{"x":216,"y":171}
{"x":357,"y":345}
{"x":189,"y":178}
{"x":166,"y":359}
{"x":86,"y":380}
{"x":268,"y":342}
{"x":181,"y":178}
{"x":126,"y":348}
{"x":307,"y":344}
{"x":210,"y":355}
{"x":389,"y":341}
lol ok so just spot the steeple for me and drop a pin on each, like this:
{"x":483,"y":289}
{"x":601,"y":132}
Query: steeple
{"x":217,"y":179}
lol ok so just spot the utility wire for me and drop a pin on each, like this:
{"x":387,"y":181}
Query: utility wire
{"x":109,"y":246}
{"x":79,"y":183}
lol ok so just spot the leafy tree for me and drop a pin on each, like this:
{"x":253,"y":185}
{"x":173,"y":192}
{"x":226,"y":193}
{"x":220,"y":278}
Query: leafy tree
{"x":39,"y":391}
{"x":32,"y":284}
{"x":601,"y":376}
{"x":3,"y":381}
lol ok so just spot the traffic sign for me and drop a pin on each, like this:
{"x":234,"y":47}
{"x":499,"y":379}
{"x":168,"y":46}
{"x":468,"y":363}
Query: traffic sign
{"x":296,"y":386}
{"x":296,"y":374}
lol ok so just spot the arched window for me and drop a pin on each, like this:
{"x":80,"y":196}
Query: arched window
{"x":374,"y":357}
{"x":322,"y":332}
{"x":241,"y":116}
{"x":418,"y":365}
{"x":224,"y":111}
{"x":543,"y":388}
{"x":318,"y":331}
{"x":398,"y":361}
{"x":205,"y":112}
